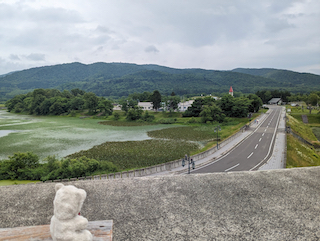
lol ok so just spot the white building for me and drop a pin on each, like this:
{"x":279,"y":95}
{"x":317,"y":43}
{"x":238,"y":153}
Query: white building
{"x":183,"y":106}
{"x":146,"y":105}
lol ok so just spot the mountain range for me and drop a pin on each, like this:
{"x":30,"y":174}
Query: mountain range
{"x":121,"y":79}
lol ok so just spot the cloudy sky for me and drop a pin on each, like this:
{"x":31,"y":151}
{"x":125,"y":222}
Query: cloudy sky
{"x":209,"y":34}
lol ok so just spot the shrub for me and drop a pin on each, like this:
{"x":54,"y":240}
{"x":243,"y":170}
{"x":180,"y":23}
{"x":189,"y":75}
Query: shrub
{"x":166,"y":121}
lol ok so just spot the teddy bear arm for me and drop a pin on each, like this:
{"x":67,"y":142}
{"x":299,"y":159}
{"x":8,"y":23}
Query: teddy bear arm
{"x":81,"y":223}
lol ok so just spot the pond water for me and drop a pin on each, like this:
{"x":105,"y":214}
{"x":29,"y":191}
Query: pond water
{"x":61,"y":136}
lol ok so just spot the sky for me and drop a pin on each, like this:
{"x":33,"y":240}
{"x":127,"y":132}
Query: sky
{"x":207,"y":34}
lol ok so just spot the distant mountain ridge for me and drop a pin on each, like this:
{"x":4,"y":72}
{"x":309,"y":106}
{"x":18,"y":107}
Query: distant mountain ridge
{"x":121,"y":79}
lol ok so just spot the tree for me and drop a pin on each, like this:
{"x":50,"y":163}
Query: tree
{"x":173,"y":102}
{"x":212,"y":113}
{"x":77,"y":92}
{"x":256,"y":103}
{"x":105,"y":105}
{"x":156,"y":100}
{"x":91,"y":101}
{"x":134,"y":114}
{"x":226,"y":103}
{"x":76,"y":103}
{"x":195,"y":109}
{"x":312,"y":101}
{"x":18,"y":164}
{"x":56,"y":108}
{"x":240,"y":107}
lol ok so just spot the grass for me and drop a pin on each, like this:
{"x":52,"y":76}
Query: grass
{"x":301,"y":110}
{"x":138,"y":154}
{"x":316,"y":132}
{"x":301,"y":129}
{"x":198,"y":132}
{"x":300,"y":155}
{"x":15,"y":182}
{"x":125,"y":123}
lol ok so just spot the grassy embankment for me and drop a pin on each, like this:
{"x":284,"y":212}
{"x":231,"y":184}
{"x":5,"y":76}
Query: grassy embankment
{"x":298,"y":153}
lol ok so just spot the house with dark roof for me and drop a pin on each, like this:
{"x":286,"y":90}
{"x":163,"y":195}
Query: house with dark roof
{"x":275,"y":101}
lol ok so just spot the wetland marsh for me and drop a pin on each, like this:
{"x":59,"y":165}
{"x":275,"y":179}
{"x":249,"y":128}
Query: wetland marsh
{"x":61,"y":136}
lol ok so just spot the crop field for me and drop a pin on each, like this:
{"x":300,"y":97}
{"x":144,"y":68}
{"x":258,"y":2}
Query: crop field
{"x":61,"y":136}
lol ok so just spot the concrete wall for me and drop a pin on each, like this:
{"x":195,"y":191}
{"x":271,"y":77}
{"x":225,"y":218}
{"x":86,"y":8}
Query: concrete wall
{"x":262,"y":205}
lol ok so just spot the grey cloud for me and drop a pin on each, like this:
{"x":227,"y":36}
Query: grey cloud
{"x":151,"y":49}
{"x":276,"y":25}
{"x":36,"y":57}
{"x":104,"y":29}
{"x":14,"y":57}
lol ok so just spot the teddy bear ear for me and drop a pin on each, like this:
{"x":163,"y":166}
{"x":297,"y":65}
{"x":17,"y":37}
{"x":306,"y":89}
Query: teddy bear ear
{"x":58,"y":186}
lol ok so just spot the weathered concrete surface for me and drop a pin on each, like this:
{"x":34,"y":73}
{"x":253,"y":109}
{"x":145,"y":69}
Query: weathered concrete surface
{"x":262,"y":205}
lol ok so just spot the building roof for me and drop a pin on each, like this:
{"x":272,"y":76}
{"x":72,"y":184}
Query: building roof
{"x":231,"y":90}
{"x":274,"y":100}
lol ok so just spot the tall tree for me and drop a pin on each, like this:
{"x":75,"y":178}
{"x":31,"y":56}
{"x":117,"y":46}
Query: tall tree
{"x":156,"y":99}
{"x":91,"y":101}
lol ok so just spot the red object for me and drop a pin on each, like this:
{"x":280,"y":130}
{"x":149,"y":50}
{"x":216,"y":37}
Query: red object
{"x":231,"y":90}
{"x":79,"y":213}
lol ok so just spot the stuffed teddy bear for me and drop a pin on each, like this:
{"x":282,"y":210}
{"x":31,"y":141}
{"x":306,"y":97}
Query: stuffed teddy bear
{"x":66,"y":223}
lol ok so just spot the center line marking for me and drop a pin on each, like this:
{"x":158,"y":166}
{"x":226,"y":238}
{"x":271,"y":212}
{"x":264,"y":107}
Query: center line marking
{"x":232,"y":167}
{"x":260,"y":139}
{"x":256,"y":146}
{"x":250,"y":155}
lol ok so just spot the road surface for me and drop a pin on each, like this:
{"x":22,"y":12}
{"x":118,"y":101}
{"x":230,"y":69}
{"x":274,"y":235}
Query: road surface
{"x":253,"y":151}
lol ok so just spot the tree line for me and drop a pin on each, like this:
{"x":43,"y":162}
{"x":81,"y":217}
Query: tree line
{"x":55,"y":102}
{"x":211,"y":110}
{"x":26,"y":166}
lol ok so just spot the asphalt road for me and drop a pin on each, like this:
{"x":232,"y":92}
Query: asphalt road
{"x":252,"y":152}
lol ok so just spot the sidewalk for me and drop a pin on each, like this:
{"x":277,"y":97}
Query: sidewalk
{"x":219,"y":153}
{"x":277,"y":160}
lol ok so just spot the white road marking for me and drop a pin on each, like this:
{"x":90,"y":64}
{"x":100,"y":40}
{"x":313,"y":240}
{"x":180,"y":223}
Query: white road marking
{"x":250,"y":155}
{"x":256,"y":146}
{"x":232,"y":167}
{"x":262,"y":134}
{"x":260,"y":139}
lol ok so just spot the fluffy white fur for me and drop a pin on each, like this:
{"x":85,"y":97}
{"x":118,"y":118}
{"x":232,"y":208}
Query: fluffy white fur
{"x":66,"y":224}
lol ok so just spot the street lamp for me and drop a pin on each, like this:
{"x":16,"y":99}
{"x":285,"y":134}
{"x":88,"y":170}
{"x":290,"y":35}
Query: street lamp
{"x":189,"y":161}
{"x":217,"y":129}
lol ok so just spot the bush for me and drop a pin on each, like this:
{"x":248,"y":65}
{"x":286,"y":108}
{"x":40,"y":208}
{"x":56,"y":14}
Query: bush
{"x":166,"y":121}
{"x":116,"y":116}
{"x":147,"y":117}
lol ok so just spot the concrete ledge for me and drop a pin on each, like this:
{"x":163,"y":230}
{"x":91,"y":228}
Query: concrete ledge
{"x":101,"y":231}
{"x":262,"y":205}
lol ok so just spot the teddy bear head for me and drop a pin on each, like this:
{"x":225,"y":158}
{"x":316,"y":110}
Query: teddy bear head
{"x":68,"y":201}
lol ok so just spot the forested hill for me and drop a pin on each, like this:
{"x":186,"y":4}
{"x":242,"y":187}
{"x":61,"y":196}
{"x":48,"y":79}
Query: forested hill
{"x":121,"y":79}
{"x":289,"y":78}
